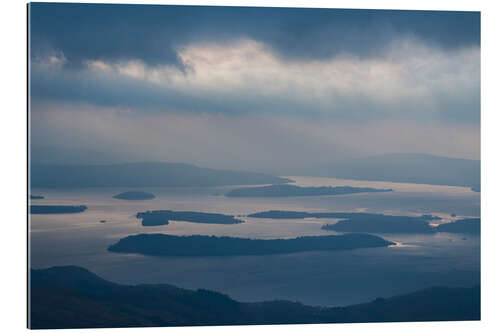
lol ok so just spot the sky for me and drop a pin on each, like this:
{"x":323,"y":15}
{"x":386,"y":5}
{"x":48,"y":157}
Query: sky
{"x":267,"y":89}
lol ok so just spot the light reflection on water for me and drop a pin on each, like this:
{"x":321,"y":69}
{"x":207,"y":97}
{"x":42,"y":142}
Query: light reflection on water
{"x":401,"y":244}
{"x":324,"y":278}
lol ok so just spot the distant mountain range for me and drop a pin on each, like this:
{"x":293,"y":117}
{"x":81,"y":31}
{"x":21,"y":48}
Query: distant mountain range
{"x":143,"y":175}
{"x":73,"y":297}
{"x":409,"y":168}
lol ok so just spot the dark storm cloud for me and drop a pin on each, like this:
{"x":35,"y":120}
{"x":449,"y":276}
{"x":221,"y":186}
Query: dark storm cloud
{"x":153,"y":34}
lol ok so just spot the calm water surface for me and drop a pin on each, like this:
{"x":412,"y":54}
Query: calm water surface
{"x":316,"y":278}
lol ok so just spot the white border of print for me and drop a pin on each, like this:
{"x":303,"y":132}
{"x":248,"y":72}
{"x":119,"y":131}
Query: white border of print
{"x":14,"y":168}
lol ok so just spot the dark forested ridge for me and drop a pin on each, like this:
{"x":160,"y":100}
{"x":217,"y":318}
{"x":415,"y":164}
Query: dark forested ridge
{"x":162,"y":217}
{"x":287,"y":190}
{"x":169,"y":245}
{"x":73,"y":297}
{"x":142,"y":175}
{"x":36,"y":209}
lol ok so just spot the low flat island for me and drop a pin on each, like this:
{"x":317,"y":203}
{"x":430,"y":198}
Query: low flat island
{"x":463,"y":226}
{"x":168,"y":245}
{"x":299,"y":191}
{"x":135,"y":195}
{"x":403,"y":224}
{"x":56,"y":209}
{"x":162,"y":217}
{"x":360,"y":222}
{"x":382,"y":224}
